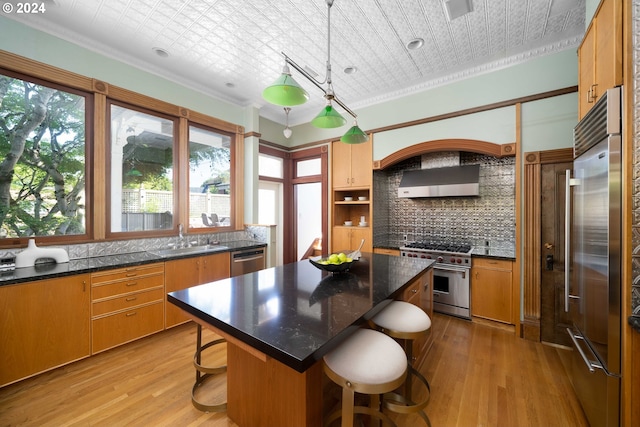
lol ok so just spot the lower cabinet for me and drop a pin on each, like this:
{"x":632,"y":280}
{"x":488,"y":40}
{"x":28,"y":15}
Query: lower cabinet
{"x":126,"y":304}
{"x":386,"y":251}
{"x":492,"y":289}
{"x":43,"y":325}
{"x":420,"y":293}
{"x":348,"y":239}
{"x":188,"y":272}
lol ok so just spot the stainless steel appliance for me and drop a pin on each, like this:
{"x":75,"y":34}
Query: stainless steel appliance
{"x":450,"y":274}
{"x":247,"y":261}
{"x":592,"y":293}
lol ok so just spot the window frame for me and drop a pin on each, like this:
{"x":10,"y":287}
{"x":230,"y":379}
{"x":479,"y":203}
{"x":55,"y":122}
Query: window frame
{"x":88,"y":156}
{"x":175,"y":178}
{"x":232,"y":177}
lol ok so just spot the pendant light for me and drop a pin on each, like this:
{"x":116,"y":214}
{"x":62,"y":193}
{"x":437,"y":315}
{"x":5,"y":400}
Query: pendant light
{"x":354,"y":135}
{"x":285,"y":91}
{"x":287,"y":130}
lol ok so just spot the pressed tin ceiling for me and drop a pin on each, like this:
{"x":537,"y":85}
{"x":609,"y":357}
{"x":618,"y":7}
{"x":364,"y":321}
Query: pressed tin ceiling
{"x":230,"y":49}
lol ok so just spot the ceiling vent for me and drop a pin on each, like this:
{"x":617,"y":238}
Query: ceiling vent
{"x":457,"y":8}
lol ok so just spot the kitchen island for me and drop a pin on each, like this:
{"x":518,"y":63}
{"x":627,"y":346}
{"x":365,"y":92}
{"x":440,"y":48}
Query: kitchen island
{"x":279,"y":322}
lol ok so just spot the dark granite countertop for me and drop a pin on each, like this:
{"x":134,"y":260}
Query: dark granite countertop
{"x":296,"y":313}
{"x":89,"y":265}
{"x":392,"y":242}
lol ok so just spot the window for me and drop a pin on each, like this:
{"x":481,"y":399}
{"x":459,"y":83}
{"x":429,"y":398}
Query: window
{"x":141,"y":168}
{"x":210,"y":178}
{"x":43,"y":153}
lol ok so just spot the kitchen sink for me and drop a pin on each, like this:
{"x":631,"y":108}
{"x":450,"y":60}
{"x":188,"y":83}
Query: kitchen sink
{"x":190,"y":250}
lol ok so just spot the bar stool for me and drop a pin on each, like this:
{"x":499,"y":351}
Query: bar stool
{"x":405,"y":321}
{"x":368,"y":362}
{"x":205,"y":372}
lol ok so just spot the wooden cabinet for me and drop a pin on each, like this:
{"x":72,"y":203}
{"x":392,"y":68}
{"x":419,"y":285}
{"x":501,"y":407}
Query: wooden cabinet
{"x":386,"y":251}
{"x":126,"y":304}
{"x":43,"y":325}
{"x":492,"y":289}
{"x":600,"y":55}
{"x":184,"y":273}
{"x":351,"y":165}
{"x":351,"y":196}
{"x":420,"y":293}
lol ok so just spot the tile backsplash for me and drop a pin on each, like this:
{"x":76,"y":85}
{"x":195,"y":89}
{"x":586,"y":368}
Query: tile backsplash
{"x":488,"y":218}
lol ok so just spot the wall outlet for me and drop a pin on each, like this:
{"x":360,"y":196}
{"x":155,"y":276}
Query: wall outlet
{"x":404,"y":237}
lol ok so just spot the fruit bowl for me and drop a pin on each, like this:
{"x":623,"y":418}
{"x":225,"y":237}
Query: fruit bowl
{"x":334,"y":268}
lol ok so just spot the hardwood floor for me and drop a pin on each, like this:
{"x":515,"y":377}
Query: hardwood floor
{"x":480,"y":376}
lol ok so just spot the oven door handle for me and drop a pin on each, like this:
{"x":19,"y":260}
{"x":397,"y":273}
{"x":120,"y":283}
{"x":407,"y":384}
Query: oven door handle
{"x":461,"y":270}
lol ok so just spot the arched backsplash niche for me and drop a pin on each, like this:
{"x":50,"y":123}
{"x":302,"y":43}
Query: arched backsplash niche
{"x":490,"y":217}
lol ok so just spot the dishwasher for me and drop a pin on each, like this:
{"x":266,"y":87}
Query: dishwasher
{"x":247,"y":261}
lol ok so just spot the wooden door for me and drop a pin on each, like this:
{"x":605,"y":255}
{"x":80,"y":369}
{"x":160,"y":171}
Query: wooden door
{"x":341,"y":239}
{"x":586,"y":71}
{"x":179,"y":274}
{"x":43,"y":324}
{"x":553,"y":319}
{"x":361,"y":168}
{"x":215,"y":267}
{"x":341,"y":165}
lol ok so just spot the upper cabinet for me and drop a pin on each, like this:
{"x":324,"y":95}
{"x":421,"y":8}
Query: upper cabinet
{"x":351,"y":165}
{"x":600,"y":55}
{"x":351,"y":204}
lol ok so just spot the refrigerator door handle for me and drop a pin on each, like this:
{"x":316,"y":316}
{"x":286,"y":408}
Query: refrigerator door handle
{"x":567,"y":238}
{"x":590,"y":365}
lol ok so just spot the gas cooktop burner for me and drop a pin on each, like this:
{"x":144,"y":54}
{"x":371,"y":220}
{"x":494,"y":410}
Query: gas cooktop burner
{"x":443,"y":247}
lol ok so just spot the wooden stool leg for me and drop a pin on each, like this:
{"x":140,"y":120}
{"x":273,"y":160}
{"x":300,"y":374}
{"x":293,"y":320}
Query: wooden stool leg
{"x":348,"y":402}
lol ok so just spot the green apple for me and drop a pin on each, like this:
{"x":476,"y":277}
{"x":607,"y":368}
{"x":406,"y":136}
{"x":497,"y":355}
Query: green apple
{"x":342,"y":257}
{"x":333,"y":259}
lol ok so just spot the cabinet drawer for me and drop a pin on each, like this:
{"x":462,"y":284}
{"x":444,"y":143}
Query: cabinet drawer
{"x":127,"y":301}
{"x":119,"y":328}
{"x":126,"y":286}
{"x":126,"y":273}
{"x":386,"y":251}
{"x":492,"y":263}
{"x":411,"y":292}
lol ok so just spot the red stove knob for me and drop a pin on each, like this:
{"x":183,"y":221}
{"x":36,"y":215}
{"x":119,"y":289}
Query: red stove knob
{"x":423,"y":256}
{"x":459,"y":261}
{"x":453,"y":260}
{"x":428,"y":256}
{"x":440,"y":259}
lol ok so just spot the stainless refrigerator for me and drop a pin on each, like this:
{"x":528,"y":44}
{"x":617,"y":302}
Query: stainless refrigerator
{"x":592,"y":292}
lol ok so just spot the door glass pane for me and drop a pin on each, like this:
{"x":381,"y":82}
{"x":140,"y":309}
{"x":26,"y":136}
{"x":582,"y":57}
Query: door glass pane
{"x":309,"y":215}
{"x":270,"y":166}
{"x":308,"y":167}
{"x":141,"y":171}
{"x":209,"y":178}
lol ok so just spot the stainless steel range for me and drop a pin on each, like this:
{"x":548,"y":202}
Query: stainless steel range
{"x":450,"y":274}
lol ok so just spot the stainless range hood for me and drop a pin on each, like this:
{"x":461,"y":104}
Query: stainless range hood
{"x":453,"y":181}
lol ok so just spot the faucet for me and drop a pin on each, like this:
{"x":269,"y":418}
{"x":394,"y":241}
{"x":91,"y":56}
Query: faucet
{"x":181,"y":235}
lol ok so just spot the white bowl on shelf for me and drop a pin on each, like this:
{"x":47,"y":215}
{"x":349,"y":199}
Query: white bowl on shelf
{"x":348,"y":199}
{"x":362,"y":198}
{"x":348,"y":223}
{"x":363,"y":224}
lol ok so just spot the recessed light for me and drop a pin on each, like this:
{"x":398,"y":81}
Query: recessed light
{"x":160,"y":52}
{"x":230,"y":85}
{"x":416,"y":43}
{"x":351,"y":69}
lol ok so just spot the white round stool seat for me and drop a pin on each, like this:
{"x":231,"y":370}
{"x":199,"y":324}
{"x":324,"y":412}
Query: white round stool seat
{"x":401,"y":316}
{"x":368,"y":357}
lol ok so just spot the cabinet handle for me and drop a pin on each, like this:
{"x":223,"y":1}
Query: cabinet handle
{"x":131,"y":274}
{"x":84,"y":286}
{"x":133,"y":313}
{"x":591,"y":94}
{"x":131,"y":299}
{"x":415,"y":291}
{"x":132,"y":283}
{"x":476,"y":275}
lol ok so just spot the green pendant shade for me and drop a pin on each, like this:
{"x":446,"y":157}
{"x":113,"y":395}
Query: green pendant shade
{"x":354,"y":135}
{"x":285,"y":91}
{"x":328,"y":118}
